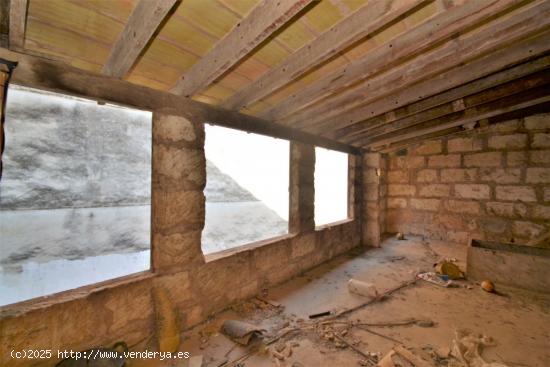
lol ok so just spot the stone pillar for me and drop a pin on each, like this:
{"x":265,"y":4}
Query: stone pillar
{"x":355,"y":174}
{"x":179,"y":177}
{"x":301,"y":190}
{"x":374,"y":192}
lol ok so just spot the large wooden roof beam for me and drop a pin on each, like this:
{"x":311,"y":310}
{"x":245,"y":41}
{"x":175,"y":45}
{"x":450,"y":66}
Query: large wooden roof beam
{"x":262,"y":21}
{"x":18,"y":22}
{"x":366,"y":20}
{"x":36,"y":72}
{"x":357,"y":104}
{"x":413,"y":42}
{"x":144,"y":21}
{"x":438,"y":103}
{"x":531,"y":97}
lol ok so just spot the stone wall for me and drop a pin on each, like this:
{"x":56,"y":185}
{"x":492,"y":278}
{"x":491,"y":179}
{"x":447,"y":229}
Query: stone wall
{"x":199,"y":286}
{"x":491,"y":183}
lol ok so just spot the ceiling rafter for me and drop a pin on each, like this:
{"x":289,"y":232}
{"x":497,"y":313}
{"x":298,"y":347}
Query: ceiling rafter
{"x":364,"y":21}
{"x":525,"y":99}
{"x":353,"y":104}
{"x":413,"y":42}
{"x":262,"y":21}
{"x":436,"y":104}
{"x":446,"y":111}
{"x":17,"y":23}
{"x":142,"y":24}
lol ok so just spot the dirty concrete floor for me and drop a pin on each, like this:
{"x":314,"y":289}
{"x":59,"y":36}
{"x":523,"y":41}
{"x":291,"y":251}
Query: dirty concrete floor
{"x":518,"y":321}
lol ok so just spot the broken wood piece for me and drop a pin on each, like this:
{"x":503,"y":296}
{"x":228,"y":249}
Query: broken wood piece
{"x":270,"y":302}
{"x":320,"y":314}
{"x":240,"y":332}
{"x":413,"y":358}
{"x":378,"y":334}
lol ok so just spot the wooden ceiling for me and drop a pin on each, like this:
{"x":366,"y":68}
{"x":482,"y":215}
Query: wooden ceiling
{"x":372,"y":74}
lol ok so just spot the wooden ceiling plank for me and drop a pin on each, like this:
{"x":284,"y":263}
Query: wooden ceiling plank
{"x":411,"y":43}
{"x":440,"y":112}
{"x":143,"y":22}
{"x":18,"y":22}
{"x":366,"y":20}
{"x":262,"y":21}
{"x":348,"y":107}
{"x":349,"y":134}
{"x":58,"y":77}
{"x":508,"y":104}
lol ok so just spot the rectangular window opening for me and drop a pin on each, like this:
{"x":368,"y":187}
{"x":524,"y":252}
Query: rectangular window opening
{"x":75,"y":196}
{"x":246,"y":188}
{"x":331,"y":186}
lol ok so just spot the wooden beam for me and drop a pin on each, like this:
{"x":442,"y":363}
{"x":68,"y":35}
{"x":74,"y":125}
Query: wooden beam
{"x":262,"y":21}
{"x":143,"y":22}
{"x":54,"y":76}
{"x":521,"y":113}
{"x":413,"y":42}
{"x":366,"y":20}
{"x":18,"y":22}
{"x":350,"y":106}
{"x":508,"y":104}
{"x":441,"y":112}
{"x":439,"y":102}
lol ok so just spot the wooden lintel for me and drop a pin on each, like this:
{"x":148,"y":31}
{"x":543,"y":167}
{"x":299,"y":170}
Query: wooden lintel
{"x":55,"y":76}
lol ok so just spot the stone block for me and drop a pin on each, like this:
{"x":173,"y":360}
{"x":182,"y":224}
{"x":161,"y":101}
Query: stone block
{"x":538,"y":122}
{"x":176,"y":250}
{"x":174,"y":129}
{"x":429,"y":147}
{"x":537,"y":175}
{"x":464,"y":144}
{"x":425,"y":204}
{"x":514,"y":141}
{"x":178,"y":210}
{"x":516,"y":193}
{"x":490,"y":159}
{"x":541,"y":212}
{"x":541,"y":140}
{"x":372,"y":160}
{"x":444,"y":160}
{"x":397,"y":203}
{"x":516,"y":159}
{"x":507,"y":210}
{"x":540,"y":157}
{"x":371,"y":192}
{"x":426,"y":175}
{"x":401,"y":176}
{"x":505,"y":126}
{"x":180,"y":164}
{"x":472,"y":191}
{"x":494,"y":225}
{"x":415,"y":162}
{"x":460,"y":206}
{"x":527,"y":229}
{"x":458,"y":175}
{"x":434,"y":190}
{"x":547,"y":194}
{"x":370,"y":176}
{"x":401,"y":190}
{"x":500,"y":175}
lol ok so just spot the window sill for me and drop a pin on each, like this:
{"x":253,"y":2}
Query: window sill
{"x":245,"y":248}
{"x":329,"y":226}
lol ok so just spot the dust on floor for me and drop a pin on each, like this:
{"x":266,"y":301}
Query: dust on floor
{"x":517,"y":321}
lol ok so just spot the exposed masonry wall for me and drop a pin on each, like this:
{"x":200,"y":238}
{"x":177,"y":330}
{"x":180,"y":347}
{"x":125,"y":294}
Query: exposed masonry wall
{"x":123,"y":310}
{"x":491,"y":183}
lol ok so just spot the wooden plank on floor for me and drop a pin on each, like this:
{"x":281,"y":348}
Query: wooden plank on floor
{"x":262,"y":21}
{"x":366,"y":20}
{"x":144,"y":21}
{"x":36,"y":72}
